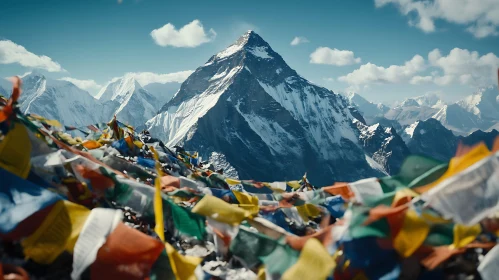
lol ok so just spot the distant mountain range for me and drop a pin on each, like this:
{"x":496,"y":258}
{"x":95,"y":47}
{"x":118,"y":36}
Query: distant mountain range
{"x":248,"y":112}
{"x":64,"y":101}
{"x":479,"y":111}
{"x":431,"y":138}
{"x":430,"y":127}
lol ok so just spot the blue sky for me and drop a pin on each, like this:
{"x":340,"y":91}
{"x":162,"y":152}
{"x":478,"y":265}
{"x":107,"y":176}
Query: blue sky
{"x":365,"y":43}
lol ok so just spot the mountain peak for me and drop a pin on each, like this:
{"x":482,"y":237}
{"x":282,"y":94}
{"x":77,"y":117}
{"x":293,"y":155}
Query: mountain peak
{"x":130,"y":79}
{"x":250,"y":42}
{"x":33,"y":74}
{"x":252,"y":38}
{"x":246,"y":103}
{"x":119,"y":88}
{"x":409,"y":102}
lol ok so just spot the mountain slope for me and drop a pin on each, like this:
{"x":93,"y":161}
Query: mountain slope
{"x":383,"y":145}
{"x":368,"y":109}
{"x":479,"y":136}
{"x":430,"y":138}
{"x":125,"y":98}
{"x":163,"y":92}
{"x":270,"y":123}
{"x":477,"y":111}
{"x":484,"y":104}
{"x":433,"y":139}
{"x":429,"y":100}
{"x":60,"y":100}
{"x":457,"y":119}
{"x":410,"y":113}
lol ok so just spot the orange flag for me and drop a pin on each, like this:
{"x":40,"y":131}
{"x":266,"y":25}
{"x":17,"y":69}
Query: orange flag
{"x":8,"y":109}
{"x":127,"y":254}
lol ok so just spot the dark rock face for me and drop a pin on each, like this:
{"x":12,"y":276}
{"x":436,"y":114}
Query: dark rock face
{"x":384,"y":145}
{"x":270,"y":123}
{"x":432,"y":139}
{"x":357,"y":114}
{"x":386,"y":123}
{"x":480,"y":136}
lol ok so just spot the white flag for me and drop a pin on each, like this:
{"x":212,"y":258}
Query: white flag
{"x":470,"y":196}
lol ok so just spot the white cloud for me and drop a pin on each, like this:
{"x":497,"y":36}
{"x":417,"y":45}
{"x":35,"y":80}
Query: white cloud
{"x":145,"y":78}
{"x":11,"y":52}
{"x":482,"y":30}
{"x":324,"y":55}
{"x":459,"y":66}
{"x":417,"y":80}
{"x":444,"y":80}
{"x":190,"y":35}
{"x":465,"y":66}
{"x":481,"y":16}
{"x":299,"y":40}
{"x":372,"y":73}
{"x":439,"y":80}
{"x":88,"y":85}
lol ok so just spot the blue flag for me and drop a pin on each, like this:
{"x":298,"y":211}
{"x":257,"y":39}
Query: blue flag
{"x":20,"y":199}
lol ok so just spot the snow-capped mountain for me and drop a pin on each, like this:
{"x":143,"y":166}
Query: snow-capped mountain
{"x":125,"y":98}
{"x":270,"y":123}
{"x":414,"y":109}
{"x":429,"y":100}
{"x":485,"y":105}
{"x":387,"y":123}
{"x":59,"y":100}
{"x":383,"y":145}
{"x":457,"y":119}
{"x":163,"y":92}
{"x":432,"y":139}
{"x":406,"y":115}
{"x":477,"y":111}
{"x":409,"y":102}
{"x":367,"y":108}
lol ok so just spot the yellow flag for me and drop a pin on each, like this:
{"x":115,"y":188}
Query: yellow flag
{"x":308,"y":211}
{"x":219,"y":210}
{"x":261,"y":273}
{"x":464,"y":235}
{"x":294,"y":184}
{"x":182,"y":266}
{"x":314,"y":263}
{"x":405,"y":192}
{"x":138,"y":144}
{"x":412,"y":234}
{"x":53,"y":123}
{"x":232,"y":182}
{"x":158,"y":201}
{"x":58,"y":232}
{"x":247,"y":202}
{"x":458,"y":164}
{"x":15,"y":150}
